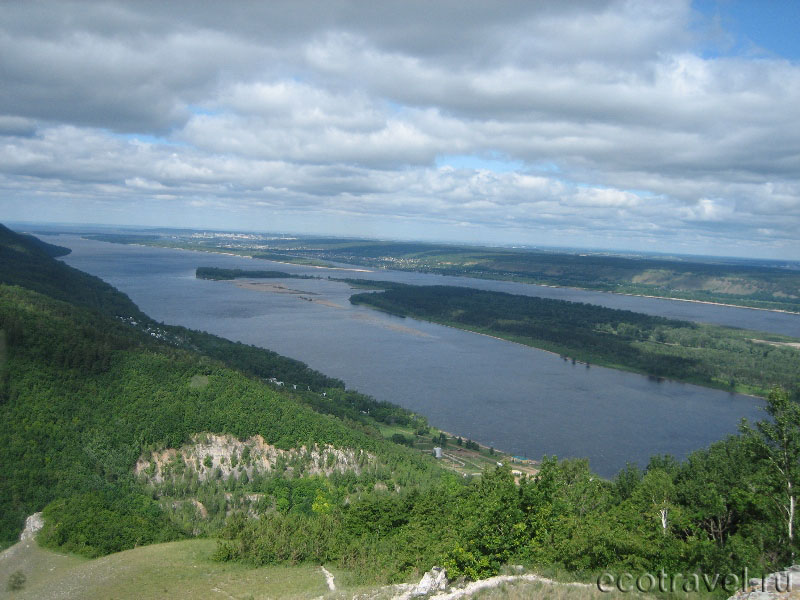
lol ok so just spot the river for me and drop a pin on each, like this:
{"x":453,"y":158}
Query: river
{"x":520,"y":399}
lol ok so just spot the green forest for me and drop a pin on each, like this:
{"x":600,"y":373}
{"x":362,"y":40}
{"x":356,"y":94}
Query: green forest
{"x":219,"y":274}
{"x":92,"y":392}
{"x":84,"y":394}
{"x":721,"y":357}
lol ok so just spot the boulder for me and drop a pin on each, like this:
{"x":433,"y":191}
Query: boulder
{"x":32,"y":526}
{"x":433,"y":581}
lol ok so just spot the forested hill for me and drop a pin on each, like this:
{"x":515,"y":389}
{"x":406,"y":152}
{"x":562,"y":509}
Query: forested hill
{"x":49,"y":249}
{"x":27,"y":261}
{"x":85,"y":391}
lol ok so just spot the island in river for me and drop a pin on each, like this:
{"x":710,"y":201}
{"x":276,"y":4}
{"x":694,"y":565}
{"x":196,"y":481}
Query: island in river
{"x":721,"y":357}
{"x":765,"y":284}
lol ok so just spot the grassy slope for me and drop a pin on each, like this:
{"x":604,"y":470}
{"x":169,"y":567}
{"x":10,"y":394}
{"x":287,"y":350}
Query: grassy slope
{"x":184,"y":571}
{"x":176,"y":570}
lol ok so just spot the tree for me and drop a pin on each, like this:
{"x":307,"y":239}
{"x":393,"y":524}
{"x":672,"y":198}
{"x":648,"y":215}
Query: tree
{"x":711,"y":487}
{"x":627,"y":480}
{"x":655,"y":494}
{"x":775,"y":445}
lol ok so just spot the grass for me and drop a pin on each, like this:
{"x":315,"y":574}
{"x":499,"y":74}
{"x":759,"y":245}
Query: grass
{"x":176,"y":570}
{"x":184,"y":570}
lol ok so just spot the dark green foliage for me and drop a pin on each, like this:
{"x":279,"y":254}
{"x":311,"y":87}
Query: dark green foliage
{"x":383,"y":537}
{"x":373,"y":284}
{"x":28,"y":263}
{"x":705,"y":514}
{"x":703,"y":354}
{"x":100,"y":522}
{"x":16,"y":581}
{"x":123,"y":238}
{"x":49,"y":249}
{"x":252,"y":360}
{"x":217,"y":273}
{"x":627,"y":480}
{"x":78,"y":421}
{"x":355,"y":406}
{"x":774,"y":445}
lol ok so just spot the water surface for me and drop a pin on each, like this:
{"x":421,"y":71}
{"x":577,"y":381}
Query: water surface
{"x":523,"y":400}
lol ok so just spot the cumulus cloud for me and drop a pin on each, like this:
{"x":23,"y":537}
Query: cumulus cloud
{"x":602,"y":122}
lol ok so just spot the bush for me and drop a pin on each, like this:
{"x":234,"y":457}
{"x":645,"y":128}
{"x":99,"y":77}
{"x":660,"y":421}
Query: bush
{"x":399,"y":438}
{"x":16,"y":581}
{"x":98,"y":523}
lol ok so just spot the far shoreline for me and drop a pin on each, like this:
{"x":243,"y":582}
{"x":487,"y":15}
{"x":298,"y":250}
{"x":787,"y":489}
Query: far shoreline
{"x":584,"y":289}
{"x":569,"y":287}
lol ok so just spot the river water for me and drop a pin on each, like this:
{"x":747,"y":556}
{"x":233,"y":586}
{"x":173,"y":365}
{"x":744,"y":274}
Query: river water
{"x":520,"y":399}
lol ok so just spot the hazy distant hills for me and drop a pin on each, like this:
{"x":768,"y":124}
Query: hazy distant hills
{"x":754,"y":283}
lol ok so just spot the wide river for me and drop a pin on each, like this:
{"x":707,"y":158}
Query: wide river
{"x":522,"y":400}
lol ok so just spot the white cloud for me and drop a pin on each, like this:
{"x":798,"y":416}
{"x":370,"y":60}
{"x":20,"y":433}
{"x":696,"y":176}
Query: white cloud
{"x":607,"y":120}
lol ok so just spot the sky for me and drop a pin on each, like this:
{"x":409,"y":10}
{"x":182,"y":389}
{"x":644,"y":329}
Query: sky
{"x":637,"y":125}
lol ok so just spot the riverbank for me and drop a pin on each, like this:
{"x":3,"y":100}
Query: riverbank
{"x":602,"y":364}
{"x":609,"y":292}
{"x":700,"y":354}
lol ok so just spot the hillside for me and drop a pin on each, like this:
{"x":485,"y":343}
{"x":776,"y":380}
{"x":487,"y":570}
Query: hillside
{"x":26,"y":261}
{"x":84,"y":395}
{"x":127,"y":433}
{"x":185,"y":571}
{"x":177,"y":570}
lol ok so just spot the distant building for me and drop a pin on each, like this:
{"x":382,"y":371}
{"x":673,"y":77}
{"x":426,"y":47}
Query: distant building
{"x":437,"y":452}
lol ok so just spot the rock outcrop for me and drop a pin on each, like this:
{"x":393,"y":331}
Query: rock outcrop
{"x":434,"y":580}
{"x":212,"y":456}
{"x":779,"y":585}
{"x":32,"y":526}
